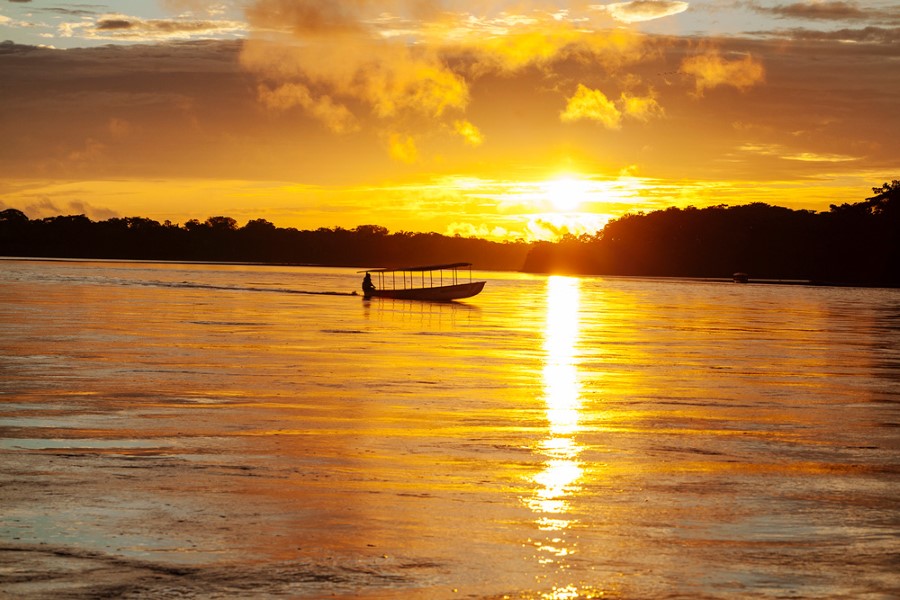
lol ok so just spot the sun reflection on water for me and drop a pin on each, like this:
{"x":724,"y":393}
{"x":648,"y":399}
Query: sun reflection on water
{"x":557,"y":484}
{"x":562,"y":395}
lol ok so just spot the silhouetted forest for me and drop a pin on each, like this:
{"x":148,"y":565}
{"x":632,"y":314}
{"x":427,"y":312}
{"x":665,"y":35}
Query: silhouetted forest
{"x":219,"y":239}
{"x":851,"y":244}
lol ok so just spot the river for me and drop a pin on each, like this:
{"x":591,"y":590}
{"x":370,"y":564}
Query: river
{"x":211,"y":431}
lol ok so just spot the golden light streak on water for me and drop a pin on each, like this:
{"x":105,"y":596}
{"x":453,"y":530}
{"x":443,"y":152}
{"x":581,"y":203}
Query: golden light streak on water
{"x":557,"y":482}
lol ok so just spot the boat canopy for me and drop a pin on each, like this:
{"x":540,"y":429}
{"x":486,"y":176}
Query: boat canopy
{"x":458,"y":265}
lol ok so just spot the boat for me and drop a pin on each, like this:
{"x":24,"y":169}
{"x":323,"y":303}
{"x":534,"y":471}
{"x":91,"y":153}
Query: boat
{"x":741,"y":277}
{"x":435,"y":283}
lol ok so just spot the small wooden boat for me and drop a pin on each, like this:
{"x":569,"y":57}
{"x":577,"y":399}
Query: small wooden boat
{"x":436,"y":283}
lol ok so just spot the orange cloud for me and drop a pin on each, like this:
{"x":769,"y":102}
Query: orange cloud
{"x":389,"y":78}
{"x":593,"y":105}
{"x":283,"y":97}
{"x":336,"y":49}
{"x":522,"y":47}
{"x":711,"y":70}
{"x":404,"y":60}
{"x":642,"y":108}
{"x":469,"y":132}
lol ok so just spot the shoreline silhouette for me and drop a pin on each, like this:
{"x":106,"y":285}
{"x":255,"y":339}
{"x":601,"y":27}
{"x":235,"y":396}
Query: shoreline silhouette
{"x":851,"y":244}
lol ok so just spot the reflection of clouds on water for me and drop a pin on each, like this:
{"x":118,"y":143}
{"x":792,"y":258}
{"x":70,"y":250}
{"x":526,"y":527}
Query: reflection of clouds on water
{"x":558,"y":481}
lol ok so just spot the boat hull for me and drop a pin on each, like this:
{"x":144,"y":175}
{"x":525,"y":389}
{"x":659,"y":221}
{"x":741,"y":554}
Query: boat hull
{"x":444,"y":293}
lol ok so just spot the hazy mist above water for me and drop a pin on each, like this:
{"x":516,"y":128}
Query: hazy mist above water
{"x":211,"y":430}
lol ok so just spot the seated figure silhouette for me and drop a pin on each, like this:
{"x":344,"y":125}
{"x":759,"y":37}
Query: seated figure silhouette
{"x":367,"y":286}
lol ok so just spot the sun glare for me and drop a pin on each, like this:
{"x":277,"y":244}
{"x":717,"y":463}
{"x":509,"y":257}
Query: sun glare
{"x":566,"y":194}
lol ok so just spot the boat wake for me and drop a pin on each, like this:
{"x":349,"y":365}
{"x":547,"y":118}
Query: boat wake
{"x":208,"y":286}
{"x":104,"y":279}
{"x":229,"y":288}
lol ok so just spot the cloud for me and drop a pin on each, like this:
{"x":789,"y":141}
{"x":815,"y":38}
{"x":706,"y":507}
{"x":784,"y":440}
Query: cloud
{"x":401,"y":65}
{"x":642,"y":108}
{"x":546,"y":229}
{"x":114,"y":110}
{"x":710,"y":70}
{"x":43,"y":206}
{"x":593,"y":105}
{"x":469,"y":132}
{"x":194,"y":109}
{"x":343,"y":54}
{"x":643,"y":10}
{"x":816,"y":157}
{"x":10,"y":47}
{"x":866,"y":35}
{"x":286,"y":96}
{"x":836,"y":11}
{"x":482,"y":230}
{"x":91,"y":151}
{"x":10,"y":22}
{"x":120,"y":27}
{"x":92,"y":212}
{"x":782,"y":152}
{"x":389,"y":78}
{"x":113,"y":24}
{"x":86,"y":11}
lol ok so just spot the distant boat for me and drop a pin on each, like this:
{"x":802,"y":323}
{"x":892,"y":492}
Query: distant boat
{"x":435,"y":283}
{"x":741,"y":278}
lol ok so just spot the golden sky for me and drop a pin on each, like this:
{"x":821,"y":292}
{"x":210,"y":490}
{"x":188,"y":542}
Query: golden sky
{"x":502,"y":119}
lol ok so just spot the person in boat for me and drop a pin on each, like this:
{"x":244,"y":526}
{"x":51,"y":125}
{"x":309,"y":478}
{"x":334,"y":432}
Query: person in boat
{"x":367,"y":285}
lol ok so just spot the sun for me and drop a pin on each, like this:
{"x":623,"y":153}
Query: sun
{"x":566,"y":194}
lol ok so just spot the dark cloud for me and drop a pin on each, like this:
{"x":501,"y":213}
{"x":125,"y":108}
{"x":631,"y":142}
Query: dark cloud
{"x":108,"y":109}
{"x":122,"y":27}
{"x":150,"y":28}
{"x":10,"y":47}
{"x":44,"y":207}
{"x":830,"y":11}
{"x":867,"y":35}
{"x":113,"y":24}
{"x":73,"y":12}
{"x":188,"y":26}
{"x":97,"y":213}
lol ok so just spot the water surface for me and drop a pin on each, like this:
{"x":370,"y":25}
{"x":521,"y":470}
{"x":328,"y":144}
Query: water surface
{"x":230,"y":430}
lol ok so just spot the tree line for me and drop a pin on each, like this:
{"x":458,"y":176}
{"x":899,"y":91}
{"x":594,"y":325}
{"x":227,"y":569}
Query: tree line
{"x":220,"y":239}
{"x":851,"y":244}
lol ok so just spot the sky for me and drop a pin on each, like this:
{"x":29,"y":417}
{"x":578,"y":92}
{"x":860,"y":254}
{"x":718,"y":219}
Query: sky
{"x":503,"y":119}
